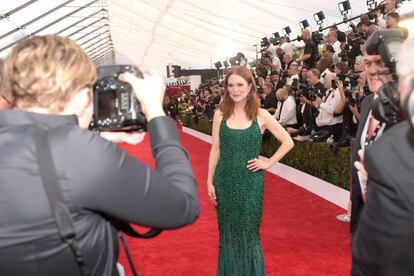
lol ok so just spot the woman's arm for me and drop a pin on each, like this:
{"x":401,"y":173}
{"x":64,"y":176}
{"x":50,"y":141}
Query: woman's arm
{"x":214,"y":155}
{"x":280,"y":133}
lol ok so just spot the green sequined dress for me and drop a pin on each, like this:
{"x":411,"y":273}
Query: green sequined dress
{"x":239,"y":194}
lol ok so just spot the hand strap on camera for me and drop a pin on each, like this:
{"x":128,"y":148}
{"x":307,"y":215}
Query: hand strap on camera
{"x":60,"y":211}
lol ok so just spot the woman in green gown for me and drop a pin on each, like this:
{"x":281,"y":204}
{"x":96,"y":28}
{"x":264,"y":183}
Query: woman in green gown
{"x":235,"y":174}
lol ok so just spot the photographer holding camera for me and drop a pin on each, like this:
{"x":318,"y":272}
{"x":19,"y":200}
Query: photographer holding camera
{"x":369,"y":128}
{"x":310,"y":55}
{"x":51,"y":79}
{"x":387,"y":220}
{"x":382,"y":12}
{"x":332,"y":39}
{"x":306,"y":94}
{"x":326,"y":119}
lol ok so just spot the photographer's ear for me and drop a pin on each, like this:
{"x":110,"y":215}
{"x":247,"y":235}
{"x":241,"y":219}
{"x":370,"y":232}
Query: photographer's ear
{"x":81,"y":106}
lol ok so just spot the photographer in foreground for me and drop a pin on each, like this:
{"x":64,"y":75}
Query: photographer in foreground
{"x":387,"y":219}
{"x":51,"y":79}
{"x":369,"y":128}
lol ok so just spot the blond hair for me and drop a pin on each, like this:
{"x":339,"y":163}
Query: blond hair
{"x":47,"y":71}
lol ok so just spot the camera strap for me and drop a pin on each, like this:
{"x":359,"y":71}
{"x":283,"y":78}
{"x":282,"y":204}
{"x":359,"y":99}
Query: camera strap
{"x":60,"y":211}
{"x":327,"y":95}
{"x":372,"y":134}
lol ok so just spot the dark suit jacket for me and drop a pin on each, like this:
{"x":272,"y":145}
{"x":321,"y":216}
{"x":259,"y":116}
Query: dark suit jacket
{"x":279,"y":85}
{"x":97,"y":179}
{"x":356,"y":194}
{"x":402,"y":262}
{"x":387,"y":220}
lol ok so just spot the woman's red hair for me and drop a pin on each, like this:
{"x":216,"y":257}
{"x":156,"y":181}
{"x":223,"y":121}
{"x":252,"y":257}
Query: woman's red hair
{"x":252,"y":105}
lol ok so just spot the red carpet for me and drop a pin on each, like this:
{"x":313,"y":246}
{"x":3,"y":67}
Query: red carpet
{"x":300,"y":233}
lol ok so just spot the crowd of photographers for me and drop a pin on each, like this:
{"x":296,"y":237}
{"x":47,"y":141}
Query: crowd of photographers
{"x":349,"y":89}
{"x":314,"y":91}
{"x":201,"y":102}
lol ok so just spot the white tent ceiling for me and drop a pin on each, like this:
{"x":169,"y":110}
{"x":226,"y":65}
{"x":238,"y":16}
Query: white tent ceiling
{"x":154,"y":33}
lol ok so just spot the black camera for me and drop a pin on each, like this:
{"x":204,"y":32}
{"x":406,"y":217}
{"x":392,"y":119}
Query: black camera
{"x":317,"y":37}
{"x":116,"y":107}
{"x":386,"y":43}
{"x":274,"y":41}
{"x":264,"y":42}
{"x":372,"y":13}
{"x":353,"y":78}
{"x":358,"y":38}
{"x":349,"y":79}
{"x":284,"y":74}
{"x":352,"y":100}
{"x":308,"y":92}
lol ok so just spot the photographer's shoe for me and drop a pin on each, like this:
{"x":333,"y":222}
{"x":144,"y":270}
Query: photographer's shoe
{"x":302,"y":138}
{"x":298,"y":132}
{"x":330,"y":140}
{"x":344,"y":217}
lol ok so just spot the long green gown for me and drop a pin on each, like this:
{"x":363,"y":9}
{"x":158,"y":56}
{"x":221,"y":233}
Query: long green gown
{"x":239,"y":194}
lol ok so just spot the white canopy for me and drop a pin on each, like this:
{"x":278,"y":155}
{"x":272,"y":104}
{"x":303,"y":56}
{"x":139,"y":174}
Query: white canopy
{"x":155,"y":33}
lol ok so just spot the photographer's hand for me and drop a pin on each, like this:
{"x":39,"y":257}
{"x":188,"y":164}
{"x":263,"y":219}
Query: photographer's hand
{"x":359,"y":165}
{"x":132,"y":138}
{"x":149,"y":91}
{"x":341,"y":90}
{"x":354,"y":110}
{"x":317,"y":102}
{"x":303,"y":99}
{"x":340,"y":85}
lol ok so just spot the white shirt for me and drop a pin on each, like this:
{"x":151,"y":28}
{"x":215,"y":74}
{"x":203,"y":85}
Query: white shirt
{"x":272,"y":49}
{"x":290,"y":79}
{"x":276,"y":61}
{"x":337,"y":48}
{"x":287,"y":48}
{"x":288,"y":114}
{"x":327,"y":108}
{"x":362,"y":178}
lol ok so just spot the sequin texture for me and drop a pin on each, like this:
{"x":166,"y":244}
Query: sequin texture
{"x":239,"y":194}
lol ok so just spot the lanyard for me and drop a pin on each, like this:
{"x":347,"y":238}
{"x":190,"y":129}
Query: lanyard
{"x":370,"y":140}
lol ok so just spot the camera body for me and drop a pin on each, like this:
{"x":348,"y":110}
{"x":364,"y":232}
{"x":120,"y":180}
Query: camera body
{"x":348,"y":79}
{"x":306,"y":91}
{"x":352,"y":99}
{"x":358,"y":38}
{"x":116,"y":107}
{"x":386,"y":43}
{"x":274,"y":41}
{"x":317,"y":37}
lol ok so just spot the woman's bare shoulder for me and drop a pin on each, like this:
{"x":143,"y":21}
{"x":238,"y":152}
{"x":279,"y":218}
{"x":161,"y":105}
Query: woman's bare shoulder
{"x":218,"y":115}
{"x":263,"y":114}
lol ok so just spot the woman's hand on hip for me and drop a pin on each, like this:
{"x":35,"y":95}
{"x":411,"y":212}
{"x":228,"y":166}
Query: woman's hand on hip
{"x":257,"y":164}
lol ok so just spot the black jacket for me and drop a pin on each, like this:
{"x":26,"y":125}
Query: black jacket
{"x":356,"y":193}
{"x":97,"y":179}
{"x":387,"y":220}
